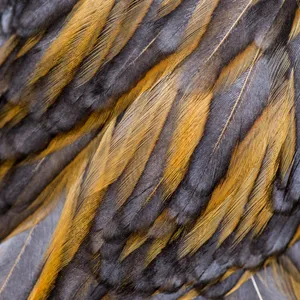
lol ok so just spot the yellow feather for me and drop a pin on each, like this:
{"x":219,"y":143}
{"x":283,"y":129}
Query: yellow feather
{"x":163,"y":225}
{"x":191,"y":120}
{"x":74,"y":42}
{"x":80,"y":207}
{"x":55,"y":258}
{"x":103,"y":44}
{"x":285,"y":275}
{"x":193,"y":34}
{"x":166,"y":7}
{"x":133,"y":243}
{"x":156,"y":116}
{"x":136,"y":11}
{"x":258,"y":212}
{"x":289,"y":146}
{"x":239,"y":65}
{"x":296,"y":237}
{"x":296,"y":26}
{"x":11,"y":114}
{"x":93,"y":190}
{"x":239,"y":98}
{"x":156,"y":247}
{"x":229,"y":198}
{"x":94,"y":122}
{"x":190,"y":295}
{"x":163,"y":231}
{"x":148,"y":112}
{"x":7,"y":48}
{"x":5,"y":167}
{"x":236,"y":21}
{"x":30,"y":43}
{"x":241,"y":281}
{"x":231,"y":195}
{"x":197,"y":26}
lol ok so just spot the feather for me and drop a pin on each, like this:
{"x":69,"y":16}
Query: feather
{"x":231,"y":28}
{"x":137,"y":10}
{"x":7,"y":48}
{"x":239,"y":98}
{"x":55,"y":257}
{"x":240,"y":64}
{"x":24,"y":253}
{"x":279,"y":279}
{"x":296,"y":26}
{"x":159,"y":113}
{"x":224,"y":194}
{"x":258,"y":210}
{"x":46,"y":202}
{"x":288,"y":148}
{"x":103,"y":43}
{"x":93,"y":123}
{"x":133,"y":243}
{"x":166,"y":7}
{"x":27,"y":240}
{"x":74,"y":42}
{"x":231,"y":196}
{"x":30,"y":43}
{"x":189,"y":131}
{"x":256,"y":288}
{"x":11,"y":115}
{"x":155,"y":134}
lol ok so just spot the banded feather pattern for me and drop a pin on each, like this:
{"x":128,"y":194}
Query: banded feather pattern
{"x":149,"y":149}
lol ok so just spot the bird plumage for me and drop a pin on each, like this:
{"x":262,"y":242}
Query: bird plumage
{"x":149,"y":149}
